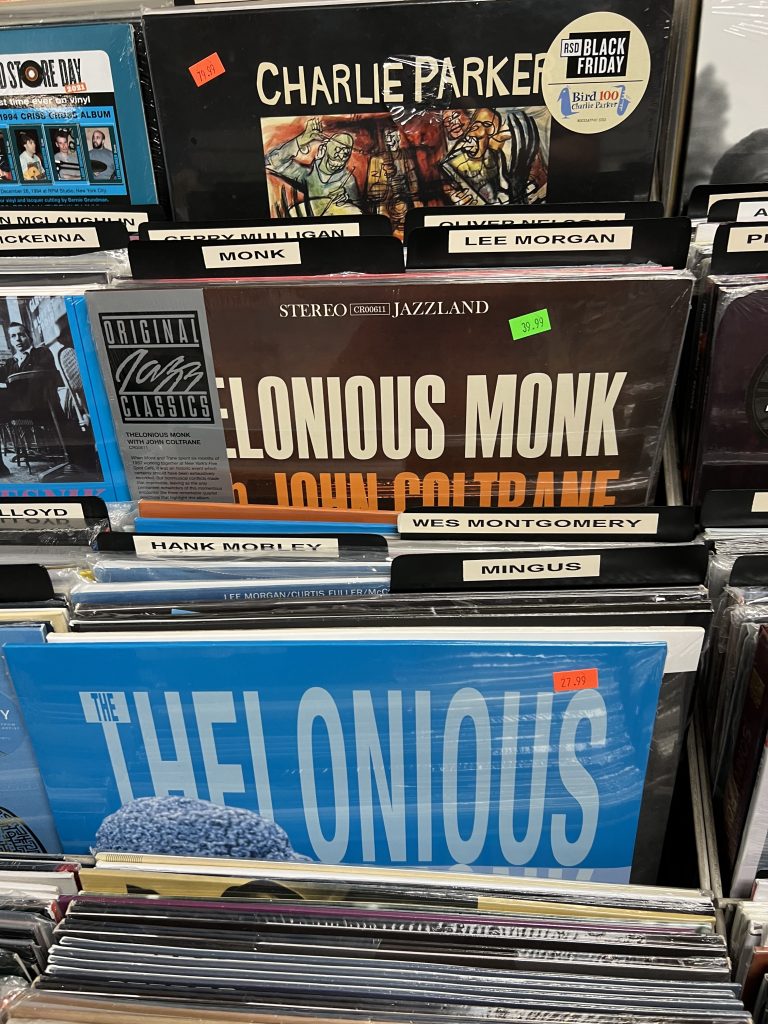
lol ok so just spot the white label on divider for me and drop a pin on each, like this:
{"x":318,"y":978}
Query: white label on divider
{"x":510,"y":523}
{"x":750,"y":239}
{"x":734,"y":195}
{"x":541,"y":568}
{"x":545,"y":239}
{"x":130,"y":218}
{"x":705,"y":233}
{"x":760,"y":501}
{"x":278,"y":254}
{"x":162,"y":546}
{"x":42,"y":237}
{"x":14,"y":513}
{"x":257,"y":234}
{"x":753,"y":210}
{"x":436,"y":220}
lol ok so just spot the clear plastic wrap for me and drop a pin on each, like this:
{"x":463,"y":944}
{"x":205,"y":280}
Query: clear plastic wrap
{"x":60,"y":442}
{"x":73,"y":128}
{"x":404,"y":422}
{"x":374,"y":661}
{"x":377,"y":110}
{"x":727,"y":141}
{"x":733,"y":425}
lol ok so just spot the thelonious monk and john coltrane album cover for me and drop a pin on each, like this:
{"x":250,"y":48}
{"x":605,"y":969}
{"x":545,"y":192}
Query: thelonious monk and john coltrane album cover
{"x":295,"y":391}
{"x":322,"y":110}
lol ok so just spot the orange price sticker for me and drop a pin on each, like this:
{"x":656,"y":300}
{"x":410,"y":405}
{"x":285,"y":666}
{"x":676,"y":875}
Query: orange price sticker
{"x":206,"y":69}
{"x":577,"y":679}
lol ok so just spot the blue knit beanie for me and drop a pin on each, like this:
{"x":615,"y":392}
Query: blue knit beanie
{"x":182,"y":827}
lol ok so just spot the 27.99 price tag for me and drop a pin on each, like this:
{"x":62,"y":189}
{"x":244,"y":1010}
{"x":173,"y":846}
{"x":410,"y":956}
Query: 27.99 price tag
{"x":577,"y":679}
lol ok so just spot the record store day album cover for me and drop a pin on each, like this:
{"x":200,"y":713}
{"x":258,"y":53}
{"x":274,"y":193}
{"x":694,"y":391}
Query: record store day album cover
{"x":380,"y":752}
{"x":345,"y":110}
{"x":72,"y":128}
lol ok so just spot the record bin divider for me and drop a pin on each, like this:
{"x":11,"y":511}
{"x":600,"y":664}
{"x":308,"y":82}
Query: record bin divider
{"x":673,"y":484}
{"x":704,"y":823}
{"x":701,"y":789}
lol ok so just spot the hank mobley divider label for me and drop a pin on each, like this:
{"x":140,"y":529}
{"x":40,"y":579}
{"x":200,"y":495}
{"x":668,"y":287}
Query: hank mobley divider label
{"x":531,"y":523}
{"x":265,"y":547}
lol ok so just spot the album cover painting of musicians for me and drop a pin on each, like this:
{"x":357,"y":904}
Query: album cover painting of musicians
{"x":46,"y":432}
{"x":370,"y":163}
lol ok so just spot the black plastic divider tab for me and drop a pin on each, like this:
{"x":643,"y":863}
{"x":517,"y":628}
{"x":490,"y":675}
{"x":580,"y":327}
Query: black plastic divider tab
{"x":734,"y":509}
{"x":24,"y":584}
{"x":301,"y":257}
{"x":265,"y":229}
{"x":61,"y":239}
{"x":662,"y":242}
{"x":549,"y":213}
{"x":659,"y":523}
{"x":672,"y":565}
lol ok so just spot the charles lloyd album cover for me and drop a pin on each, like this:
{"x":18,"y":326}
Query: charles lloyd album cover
{"x":72,"y":127}
{"x":368,"y":393}
{"x":327,"y":109}
{"x":55,"y":422}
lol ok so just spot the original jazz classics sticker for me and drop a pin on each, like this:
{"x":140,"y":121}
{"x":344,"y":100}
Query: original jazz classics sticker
{"x":596,"y":72}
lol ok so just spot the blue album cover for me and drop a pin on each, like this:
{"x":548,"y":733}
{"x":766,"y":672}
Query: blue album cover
{"x":498,"y":755}
{"x":57,"y":434}
{"x":26,"y":822}
{"x":72,"y":127}
{"x":293,"y":587}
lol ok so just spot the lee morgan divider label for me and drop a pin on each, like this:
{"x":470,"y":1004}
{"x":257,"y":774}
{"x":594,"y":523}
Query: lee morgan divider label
{"x":149,"y":546}
{"x":540,"y":568}
{"x":265,"y":254}
{"x":643,"y":523}
{"x":18,"y":513}
{"x":545,"y":239}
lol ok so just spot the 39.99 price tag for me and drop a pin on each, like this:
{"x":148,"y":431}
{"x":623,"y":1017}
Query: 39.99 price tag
{"x":529,"y":324}
{"x":206,"y":69}
{"x":576,"y":679}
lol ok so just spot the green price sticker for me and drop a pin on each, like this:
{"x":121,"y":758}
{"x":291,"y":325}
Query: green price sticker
{"x":529,"y":324}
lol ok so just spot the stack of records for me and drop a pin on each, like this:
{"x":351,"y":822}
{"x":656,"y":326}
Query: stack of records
{"x":370,"y":945}
{"x":34,"y":890}
{"x":734,"y":681}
